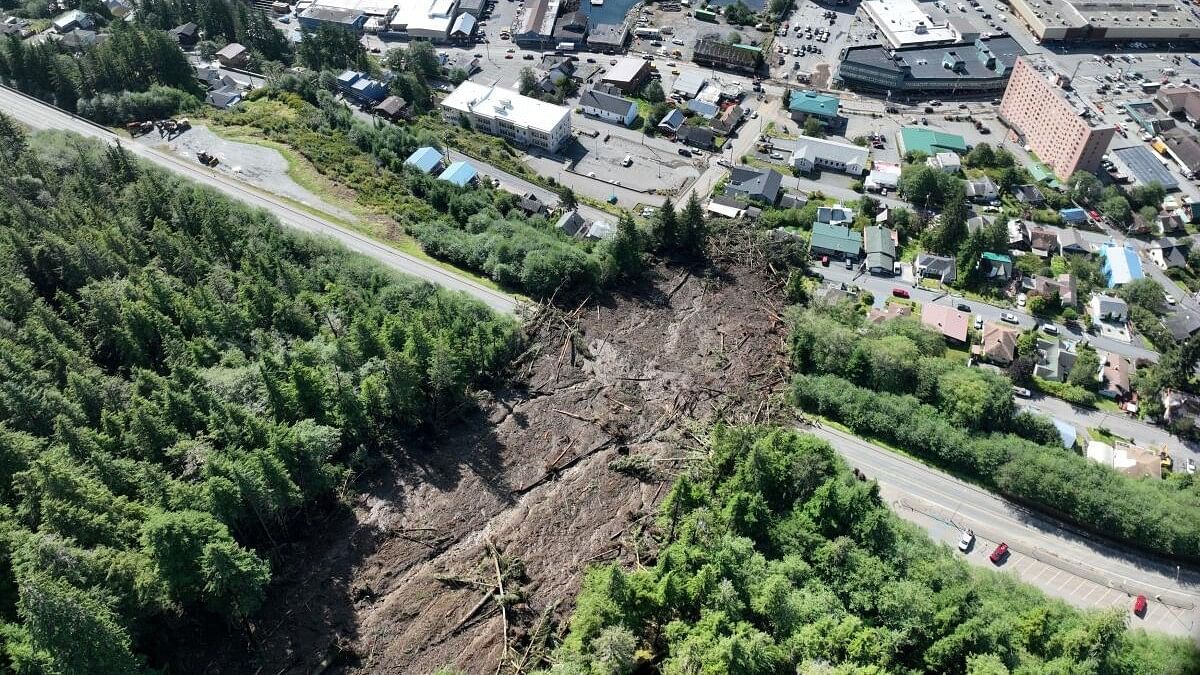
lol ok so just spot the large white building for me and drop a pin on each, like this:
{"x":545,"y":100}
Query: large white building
{"x":428,"y":19}
{"x":904,"y":24}
{"x":505,"y":113}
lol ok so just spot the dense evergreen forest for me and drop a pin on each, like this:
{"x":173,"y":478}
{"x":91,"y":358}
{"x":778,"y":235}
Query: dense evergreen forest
{"x":182,"y":384}
{"x":891,"y":382}
{"x":775,"y":559}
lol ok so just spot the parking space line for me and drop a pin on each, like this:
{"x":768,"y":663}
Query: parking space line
{"x":1057,"y":574}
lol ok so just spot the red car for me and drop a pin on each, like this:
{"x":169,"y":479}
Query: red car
{"x":999,"y":554}
{"x":1094,"y":214}
{"x":1139,"y":605}
{"x":825,"y":261}
{"x":900,"y":292}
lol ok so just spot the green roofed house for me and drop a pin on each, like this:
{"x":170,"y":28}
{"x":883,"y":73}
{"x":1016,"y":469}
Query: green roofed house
{"x":996,"y":265}
{"x":880,"y":245}
{"x":1042,"y":174}
{"x":836,"y":241}
{"x":805,"y":104}
{"x":930,"y":141}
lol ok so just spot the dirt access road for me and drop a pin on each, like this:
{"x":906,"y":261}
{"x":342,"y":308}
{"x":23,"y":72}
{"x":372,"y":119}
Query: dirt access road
{"x":397,"y":583}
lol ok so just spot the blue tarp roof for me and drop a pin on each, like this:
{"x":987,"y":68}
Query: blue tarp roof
{"x":425,"y":159}
{"x":459,"y":173}
{"x":1073,"y":215}
{"x":1121,"y":264}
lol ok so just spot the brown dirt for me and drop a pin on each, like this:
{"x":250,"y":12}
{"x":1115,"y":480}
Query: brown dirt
{"x":530,"y":472}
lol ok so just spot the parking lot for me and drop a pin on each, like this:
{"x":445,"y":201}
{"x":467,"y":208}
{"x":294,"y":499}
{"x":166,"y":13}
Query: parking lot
{"x":813,"y":38}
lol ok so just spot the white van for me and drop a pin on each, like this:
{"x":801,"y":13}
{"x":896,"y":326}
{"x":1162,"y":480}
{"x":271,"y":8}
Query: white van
{"x":628,"y":161}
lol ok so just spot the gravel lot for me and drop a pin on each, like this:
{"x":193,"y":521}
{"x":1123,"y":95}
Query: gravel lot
{"x":255,"y":164}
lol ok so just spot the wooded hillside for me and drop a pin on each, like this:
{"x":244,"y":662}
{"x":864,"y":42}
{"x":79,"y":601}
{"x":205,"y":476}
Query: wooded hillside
{"x":182,"y":384}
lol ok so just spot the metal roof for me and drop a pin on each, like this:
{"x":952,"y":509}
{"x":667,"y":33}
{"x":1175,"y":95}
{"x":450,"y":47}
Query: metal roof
{"x":1145,"y":167}
{"x":812,"y":103}
{"x":459,"y":173}
{"x":424,"y":158}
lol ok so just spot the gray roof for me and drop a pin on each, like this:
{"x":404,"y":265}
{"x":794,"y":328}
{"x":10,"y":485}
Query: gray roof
{"x":672,"y":120}
{"x":944,"y":267}
{"x":880,"y":247}
{"x":1069,"y":237}
{"x":1185,"y":146}
{"x":981,"y":187}
{"x":1172,"y":252}
{"x":925,"y":63}
{"x":688,"y":83}
{"x":331,"y":14}
{"x":1145,"y":167}
{"x":1182,"y":324}
{"x":611,"y":34}
{"x":224,"y":98}
{"x":698,"y":136}
{"x":613,"y":104}
{"x":756,"y":182}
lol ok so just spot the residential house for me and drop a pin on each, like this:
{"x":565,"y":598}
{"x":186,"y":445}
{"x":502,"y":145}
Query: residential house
{"x":829,"y":294}
{"x":1115,"y":376}
{"x":880,"y":246}
{"x":628,"y":75}
{"x":705,"y":109}
{"x":1073,"y":216}
{"x":884,"y":176}
{"x":1071,"y":242}
{"x":223,"y":98}
{"x":726,"y":120}
{"x":760,"y":185}
{"x":531,"y":206}
{"x":671,"y":121}
{"x":1121,"y":264}
{"x":726,"y":207}
{"x":793,"y":201}
{"x":392,"y":107}
{"x":890,"y":311}
{"x":1128,"y":459}
{"x":1108,"y":309}
{"x":982,"y":190}
{"x":950,"y":322}
{"x":1018,"y":233}
{"x":1043,"y":242}
{"x":996,"y":265}
{"x":72,"y":20}
{"x":809,"y":154}
{"x":999,"y":344}
{"x":689,"y":84}
{"x":948,"y":162}
{"x":1055,"y":359}
{"x":1029,"y":194}
{"x":1180,"y":407}
{"x":118,"y":8}
{"x":977,"y":223}
{"x":575,"y":225}
{"x":1168,"y":223}
{"x":1183,"y":323}
{"x":233,"y":55}
{"x":460,"y":173}
{"x":425,"y":159}
{"x":835,"y":215}
{"x":1166,"y":254}
{"x":80,"y":40}
{"x":940,"y":267}
{"x":608,"y":107}
{"x":357,"y":86}
{"x":186,"y":35}
{"x":697,"y":137}
{"x":835,"y":241}
{"x":1063,"y":286}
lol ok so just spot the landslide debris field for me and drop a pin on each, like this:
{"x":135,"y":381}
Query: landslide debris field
{"x":561,"y":469}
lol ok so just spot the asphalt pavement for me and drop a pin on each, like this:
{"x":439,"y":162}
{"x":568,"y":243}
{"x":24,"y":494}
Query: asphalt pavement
{"x":39,"y":115}
{"x":907,"y":484}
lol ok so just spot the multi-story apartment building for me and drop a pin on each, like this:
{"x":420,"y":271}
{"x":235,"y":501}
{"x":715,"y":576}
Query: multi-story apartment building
{"x":1055,"y":124}
{"x":502,"y":112}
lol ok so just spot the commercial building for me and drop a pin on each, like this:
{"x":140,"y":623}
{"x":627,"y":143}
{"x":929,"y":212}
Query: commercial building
{"x":1182,"y":102}
{"x":570,"y":30}
{"x":608,"y":107}
{"x":315,"y":16}
{"x":1073,"y":20}
{"x":609,"y":38}
{"x":1183,"y":147}
{"x":929,"y":141}
{"x":1144,"y":167}
{"x":809,"y":154}
{"x":358,"y":86}
{"x":902,"y":23}
{"x":1149,"y":117}
{"x":423,"y":19}
{"x":974,"y":67}
{"x":628,"y":74}
{"x":713,"y":52}
{"x":503,"y":112}
{"x":805,"y":104}
{"x":536,"y":29}
{"x":1047,"y":115}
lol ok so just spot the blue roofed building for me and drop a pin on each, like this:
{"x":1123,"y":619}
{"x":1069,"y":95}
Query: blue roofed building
{"x":426,"y":159}
{"x":461,"y":174}
{"x":358,"y":86}
{"x":1121,"y":264}
{"x":1073,"y":215}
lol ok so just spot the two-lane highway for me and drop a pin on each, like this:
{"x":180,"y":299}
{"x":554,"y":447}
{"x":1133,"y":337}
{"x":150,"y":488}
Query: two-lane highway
{"x":39,"y":115}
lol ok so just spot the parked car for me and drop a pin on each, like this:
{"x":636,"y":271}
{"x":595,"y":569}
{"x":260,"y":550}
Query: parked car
{"x":1050,"y":329}
{"x":1008,"y":317}
{"x":964,"y":542}
{"x":1139,"y":605}
{"x":849,"y":264}
{"x":1021,"y":299}
{"x":900,"y":292}
{"x":1169,"y":298}
{"x":1022,"y":392}
{"x":963,"y":307}
{"x":978,"y":322}
{"x":824,"y":261}
{"x":685,"y":152}
{"x":997,"y":557}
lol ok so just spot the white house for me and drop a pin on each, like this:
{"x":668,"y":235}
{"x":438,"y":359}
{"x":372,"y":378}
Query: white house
{"x":608,"y":107}
{"x":945,"y":161}
{"x":505,"y":113}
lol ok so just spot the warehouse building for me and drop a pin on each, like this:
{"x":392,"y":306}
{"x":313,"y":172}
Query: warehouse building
{"x":982,"y":66}
{"x":502,"y":112}
{"x":902,"y":23}
{"x":315,"y":16}
{"x":711,"y":51}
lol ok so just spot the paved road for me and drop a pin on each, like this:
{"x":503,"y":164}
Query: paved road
{"x":1119,"y":424}
{"x":961,"y":505}
{"x":882,"y":287}
{"x":520,"y":186}
{"x":39,"y":115}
